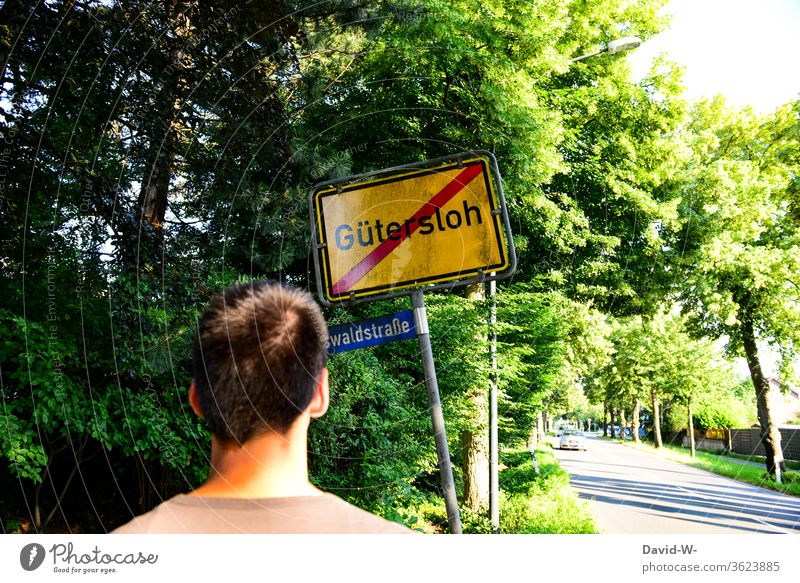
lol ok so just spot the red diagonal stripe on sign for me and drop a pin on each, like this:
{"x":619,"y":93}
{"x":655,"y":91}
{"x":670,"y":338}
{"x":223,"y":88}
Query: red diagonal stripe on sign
{"x":380,"y":252}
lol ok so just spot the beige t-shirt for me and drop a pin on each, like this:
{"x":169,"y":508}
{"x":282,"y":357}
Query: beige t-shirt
{"x":325,"y":514}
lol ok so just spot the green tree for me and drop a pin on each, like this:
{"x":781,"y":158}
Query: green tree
{"x":738,"y":252}
{"x":698,"y":380}
{"x":656,"y":359}
{"x":438,"y":78}
{"x":130,"y":132}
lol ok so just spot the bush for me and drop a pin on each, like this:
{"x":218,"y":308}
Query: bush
{"x":547,"y":506}
{"x":786,"y":477}
{"x":790,"y":477}
{"x":529,"y":503}
{"x":711,"y":417}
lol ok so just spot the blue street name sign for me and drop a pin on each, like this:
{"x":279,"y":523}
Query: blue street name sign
{"x":399,"y":326}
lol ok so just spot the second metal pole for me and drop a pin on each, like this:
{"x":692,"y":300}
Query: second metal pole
{"x":494,"y":483}
{"x":437,"y":419}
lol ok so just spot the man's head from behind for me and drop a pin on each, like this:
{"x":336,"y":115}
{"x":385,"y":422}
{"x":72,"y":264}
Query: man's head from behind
{"x":258,"y":359}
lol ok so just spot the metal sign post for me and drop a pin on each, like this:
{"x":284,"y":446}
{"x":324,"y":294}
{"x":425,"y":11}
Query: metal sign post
{"x":437,"y":419}
{"x":494,"y":477}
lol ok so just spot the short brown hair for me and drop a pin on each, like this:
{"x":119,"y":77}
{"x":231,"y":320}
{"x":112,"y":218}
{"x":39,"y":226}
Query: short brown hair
{"x":258,"y":354}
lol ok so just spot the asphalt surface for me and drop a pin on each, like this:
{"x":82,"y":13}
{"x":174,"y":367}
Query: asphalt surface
{"x":633,"y":492}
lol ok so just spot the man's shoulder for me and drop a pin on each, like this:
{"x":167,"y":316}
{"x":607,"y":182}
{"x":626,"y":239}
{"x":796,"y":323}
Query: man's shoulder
{"x":165,"y":513}
{"x":359,"y":519}
{"x":323,"y":514}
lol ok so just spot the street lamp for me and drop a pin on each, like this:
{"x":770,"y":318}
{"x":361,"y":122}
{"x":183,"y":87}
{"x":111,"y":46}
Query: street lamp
{"x":615,"y":46}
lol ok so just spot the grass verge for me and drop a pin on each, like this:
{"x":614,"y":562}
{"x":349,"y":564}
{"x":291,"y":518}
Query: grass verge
{"x":760,"y":459}
{"x":718,"y":464}
{"x":543,"y":503}
{"x":529,"y":503}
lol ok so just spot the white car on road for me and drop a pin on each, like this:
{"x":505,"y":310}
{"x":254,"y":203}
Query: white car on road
{"x":572,"y":439}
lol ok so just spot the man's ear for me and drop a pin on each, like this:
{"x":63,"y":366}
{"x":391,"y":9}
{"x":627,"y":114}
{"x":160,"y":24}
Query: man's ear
{"x":194,"y":400}
{"x":322,"y":397}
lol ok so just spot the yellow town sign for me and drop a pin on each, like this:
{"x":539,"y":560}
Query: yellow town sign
{"x":418,"y":226}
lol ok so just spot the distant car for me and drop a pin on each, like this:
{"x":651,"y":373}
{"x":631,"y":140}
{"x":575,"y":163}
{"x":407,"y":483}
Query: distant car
{"x":572,"y":439}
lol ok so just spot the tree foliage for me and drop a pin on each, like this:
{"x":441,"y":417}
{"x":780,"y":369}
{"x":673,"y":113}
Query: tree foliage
{"x":656,"y":359}
{"x":738,"y":252}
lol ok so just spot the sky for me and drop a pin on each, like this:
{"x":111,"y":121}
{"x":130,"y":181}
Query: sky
{"x":745,"y":49}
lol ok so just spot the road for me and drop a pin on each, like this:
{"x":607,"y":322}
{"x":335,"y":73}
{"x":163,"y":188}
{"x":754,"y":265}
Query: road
{"x":631,"y":491}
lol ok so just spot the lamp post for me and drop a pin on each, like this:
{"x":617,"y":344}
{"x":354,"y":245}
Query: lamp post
{"x":627,"y":43}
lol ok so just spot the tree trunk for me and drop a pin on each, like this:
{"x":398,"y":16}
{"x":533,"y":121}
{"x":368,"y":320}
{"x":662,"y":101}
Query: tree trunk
{"x":656,"y":420}
{"x":770,"y":436}
{"x":476,"y":470}
{"x":37,"y":496}
{"x":46,"y":475}
{"x":622,"y":424}
{"x":613,"y":421}
{"x":155,"y":186}
{"x":475,"y":441}
{"x":37,"y":510}
{"x":605,"y":420}
{"x":635,"y":422}
{"x":165,"y":135}
{"x":691,"y":427}
{"x":79,"y":459}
